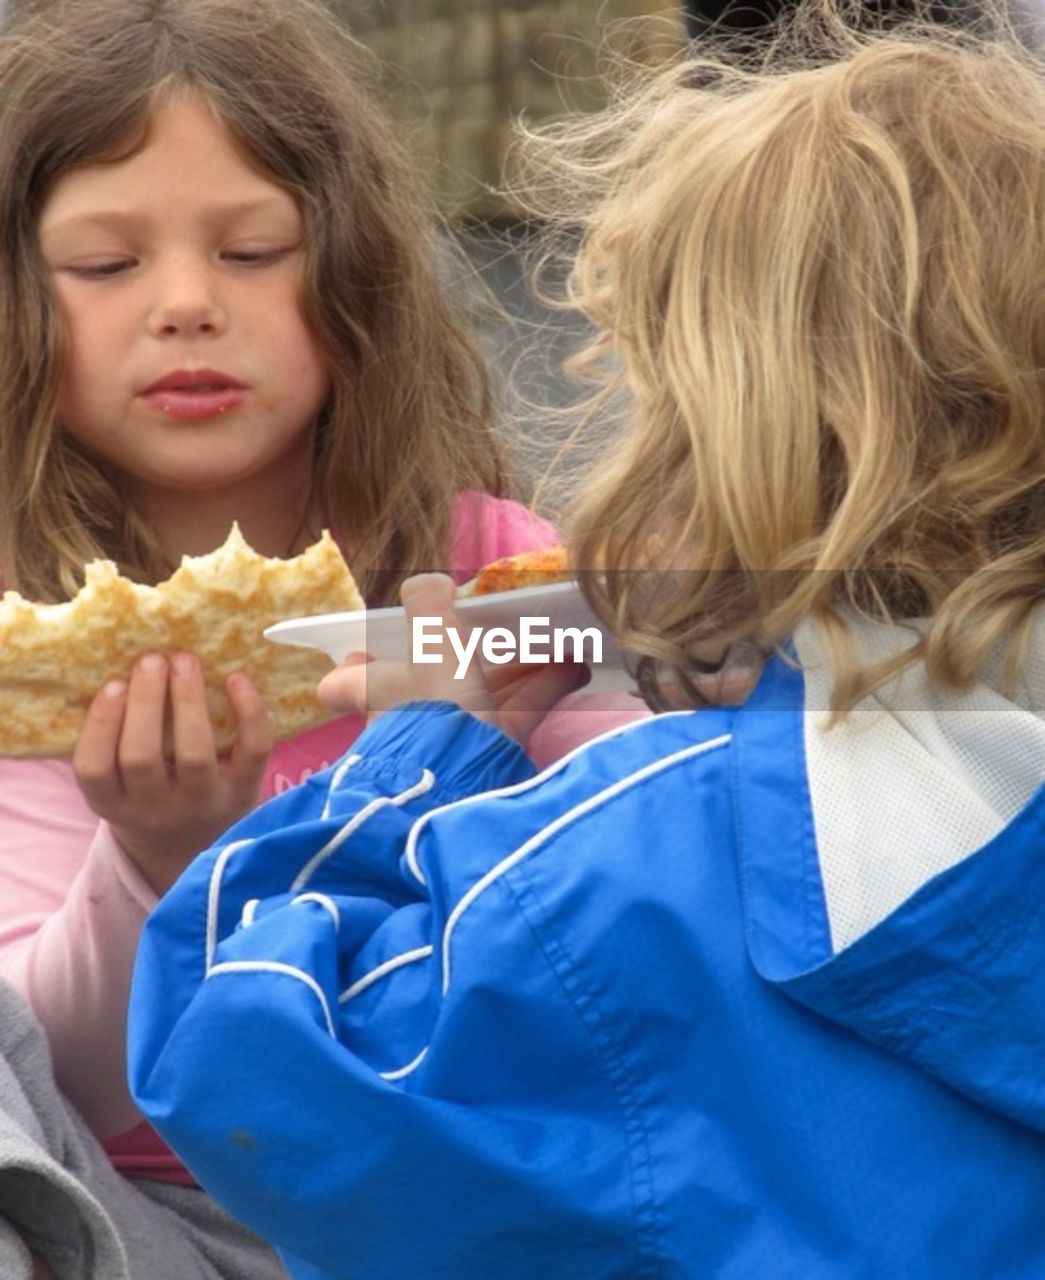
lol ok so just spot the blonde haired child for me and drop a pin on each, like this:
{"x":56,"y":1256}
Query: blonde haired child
{"x":220,"y":298}
{"x":739,"y":991}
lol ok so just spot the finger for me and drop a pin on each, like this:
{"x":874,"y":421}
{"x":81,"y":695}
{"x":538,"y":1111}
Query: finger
{"x":523,"y":704}
{"x":253,"y":743}
{"x":504,"y":680}
{"x":449,"y":672}
{"x":375,"y":686}
{"x":195,"y":755}
{"x":141,"y":756}
{"x":94,"y":757}
{"x":542,"y":684}
{"x":344,"y":688}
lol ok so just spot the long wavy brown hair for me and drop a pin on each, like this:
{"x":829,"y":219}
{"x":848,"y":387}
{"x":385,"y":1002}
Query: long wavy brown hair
{"x":818,"y":278}
{"x":408,"y":421}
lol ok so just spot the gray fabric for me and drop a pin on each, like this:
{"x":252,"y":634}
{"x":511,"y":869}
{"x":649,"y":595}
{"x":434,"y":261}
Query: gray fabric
{"x":15,"y":1263}
{"x":61,"y":1198}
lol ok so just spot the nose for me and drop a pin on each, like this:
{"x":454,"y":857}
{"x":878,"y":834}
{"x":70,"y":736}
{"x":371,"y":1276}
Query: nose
{"x":187,"y":304}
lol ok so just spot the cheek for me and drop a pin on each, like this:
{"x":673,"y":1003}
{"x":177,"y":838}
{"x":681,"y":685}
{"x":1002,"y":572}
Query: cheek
{"x":72,"y":391}
{"x":76,"y":388}
{"x":305,"y":353}
{"x":307,"y":363}
{"x":82,"y":340}
{"x":86,"y":382}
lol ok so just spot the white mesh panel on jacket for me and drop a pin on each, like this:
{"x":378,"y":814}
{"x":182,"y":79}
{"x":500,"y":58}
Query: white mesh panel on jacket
{"x":915,"y":779}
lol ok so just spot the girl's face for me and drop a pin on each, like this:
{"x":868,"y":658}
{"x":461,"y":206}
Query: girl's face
{"x":190,"y":364}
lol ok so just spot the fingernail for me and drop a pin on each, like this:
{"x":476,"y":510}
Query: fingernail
{"x":434,"y":585}
{"x":238,"y":683}
{"x":115,"y":689}
{"x":184,"y":664}
{"x":152,"y":662}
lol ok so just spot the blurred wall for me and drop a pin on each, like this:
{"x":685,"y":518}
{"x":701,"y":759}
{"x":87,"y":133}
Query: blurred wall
{"x":460,"y":70}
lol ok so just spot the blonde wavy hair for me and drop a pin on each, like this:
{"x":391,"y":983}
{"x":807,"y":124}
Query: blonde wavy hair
{"x":408,"y":422}
{"x":818,"y":279}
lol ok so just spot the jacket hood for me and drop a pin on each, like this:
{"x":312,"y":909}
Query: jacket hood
{"x":894,"y":866}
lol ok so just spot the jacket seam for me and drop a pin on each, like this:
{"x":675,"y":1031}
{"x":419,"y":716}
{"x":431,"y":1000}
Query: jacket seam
{"x":598,"y":1030}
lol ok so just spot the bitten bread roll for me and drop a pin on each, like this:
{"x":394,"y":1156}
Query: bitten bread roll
{"x":55,"y":657}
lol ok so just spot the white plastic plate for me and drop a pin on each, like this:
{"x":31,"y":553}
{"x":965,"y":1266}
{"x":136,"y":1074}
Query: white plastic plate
{"x":382,"y":633}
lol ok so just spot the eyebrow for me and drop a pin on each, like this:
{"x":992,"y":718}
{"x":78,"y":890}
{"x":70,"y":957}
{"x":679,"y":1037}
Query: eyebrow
{"x":122,"y":220}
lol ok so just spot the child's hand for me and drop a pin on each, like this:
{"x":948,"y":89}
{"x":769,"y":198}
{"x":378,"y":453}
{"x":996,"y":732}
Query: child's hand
{"x":513,"y":697}
{"x":146,"y":762}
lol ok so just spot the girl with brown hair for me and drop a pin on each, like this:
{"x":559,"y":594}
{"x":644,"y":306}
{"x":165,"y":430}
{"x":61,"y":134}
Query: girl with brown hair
{"x":220,"y":299}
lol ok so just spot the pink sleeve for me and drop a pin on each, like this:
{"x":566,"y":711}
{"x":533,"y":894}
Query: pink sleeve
{"x":487,"y":528}
{"x":71,"y":911}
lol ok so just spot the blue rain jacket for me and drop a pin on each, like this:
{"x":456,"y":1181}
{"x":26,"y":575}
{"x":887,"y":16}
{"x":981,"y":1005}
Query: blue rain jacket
{"x":657,"y":1012}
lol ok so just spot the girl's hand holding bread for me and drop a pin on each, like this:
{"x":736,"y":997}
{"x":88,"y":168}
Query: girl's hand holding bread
{"x":147,"y":762}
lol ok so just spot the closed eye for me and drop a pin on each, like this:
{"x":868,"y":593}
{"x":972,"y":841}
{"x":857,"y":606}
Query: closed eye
{"x":255,"y":258}
{"x":102,"y":270}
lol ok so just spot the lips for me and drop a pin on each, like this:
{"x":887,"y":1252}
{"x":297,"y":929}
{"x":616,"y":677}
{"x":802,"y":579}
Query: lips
{"x":194,"y":395}
{"x":194,"y":380}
